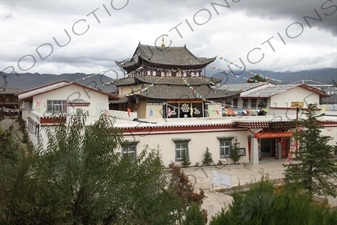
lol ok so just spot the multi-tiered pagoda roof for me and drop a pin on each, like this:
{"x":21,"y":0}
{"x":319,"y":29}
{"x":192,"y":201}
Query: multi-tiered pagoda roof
{"x":176,"y":58}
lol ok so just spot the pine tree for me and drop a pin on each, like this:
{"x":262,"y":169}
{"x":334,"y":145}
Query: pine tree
{"x":235,"y":153}
{"x":207,"y":157}
{"x":256,"y":79}
{"x":195,"y":216}
{"x":313,"y":166}
{"x":185,"y":159}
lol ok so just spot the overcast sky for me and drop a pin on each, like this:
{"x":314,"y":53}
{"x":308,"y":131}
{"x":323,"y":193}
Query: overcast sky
{"x":264,"y":34}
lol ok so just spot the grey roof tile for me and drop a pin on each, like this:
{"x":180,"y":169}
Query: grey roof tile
{"x":166,"y":80}
{"x":167,"y":56}
{"x":125,"y":81}
{"x":269,"y":91}
{"x":240,"y":87}
{"x":184,"y":92}
{"x":10,"y":90}
{"x":177,"y":80}
{"x":177,"y":56}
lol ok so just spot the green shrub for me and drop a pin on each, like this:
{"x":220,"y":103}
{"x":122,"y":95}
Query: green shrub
{"x":186,"y":160}
{"x":207,"y":157}
{"x":235,"y":153}
{"x":263,"y":205}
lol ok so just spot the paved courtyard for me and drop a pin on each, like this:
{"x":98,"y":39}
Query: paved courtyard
{"x":214,"y":201}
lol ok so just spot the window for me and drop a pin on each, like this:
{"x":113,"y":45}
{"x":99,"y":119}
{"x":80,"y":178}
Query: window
{"x":245,"y":103}
{"x":235,"y":103}
{"x":263,"y":102}
{"x":225,"y":146}
{"x":56,"y":106}
{"x":129,"y":150}
{"x":253,"y":103}
{"x":181,"y":148}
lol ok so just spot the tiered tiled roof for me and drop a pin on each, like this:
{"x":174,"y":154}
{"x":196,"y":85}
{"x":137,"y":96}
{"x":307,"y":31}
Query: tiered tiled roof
{"x":169,"y":57}
{"x":184,"y":92}
{"x":167,"y":80}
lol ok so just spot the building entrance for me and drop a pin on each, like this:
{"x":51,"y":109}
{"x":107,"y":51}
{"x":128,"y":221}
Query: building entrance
{"x":274,"y":148}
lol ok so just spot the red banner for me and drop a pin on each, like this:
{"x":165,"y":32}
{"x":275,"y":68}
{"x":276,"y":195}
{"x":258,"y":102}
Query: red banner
{"x":273,"y":135}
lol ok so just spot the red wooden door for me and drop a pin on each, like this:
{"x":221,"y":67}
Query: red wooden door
{"x":284,"y":148}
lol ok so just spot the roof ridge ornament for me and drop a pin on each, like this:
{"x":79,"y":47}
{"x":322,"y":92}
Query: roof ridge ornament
{"x":162,"y":42}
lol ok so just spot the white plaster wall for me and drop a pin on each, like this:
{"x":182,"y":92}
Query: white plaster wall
{"x":26,"y":109}
{"x":329,"y":107}
{"x":293,"y":95}
{"x":123,"y":115}
{"x":42,"y":138}
{"x":123,"y":90}
{"x":331,"y":132}
{"x":197,"y":145}
{"x":215,"y":108}
{"x":157,"y":111}
{"x":98,"y":101}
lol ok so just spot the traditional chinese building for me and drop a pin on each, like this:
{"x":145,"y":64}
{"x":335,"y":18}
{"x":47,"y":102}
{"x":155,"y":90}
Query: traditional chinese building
{"x":9,"y":98}
{"x":167,"y":82}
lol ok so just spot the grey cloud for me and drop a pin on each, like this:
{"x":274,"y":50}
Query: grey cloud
{"x":295,"y":10}
{"x":115,"y":39}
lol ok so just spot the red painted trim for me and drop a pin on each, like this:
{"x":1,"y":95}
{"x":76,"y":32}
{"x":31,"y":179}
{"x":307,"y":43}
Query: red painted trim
{"x":313,"y":89}
{"x":273,"y":135}
{"x":153,"y":132}
{"x":175,"y":128}
{"x":253,"y":124}
{"x":53,"y":120}
{"x":328,"y":123}
{"x":78,"y":104}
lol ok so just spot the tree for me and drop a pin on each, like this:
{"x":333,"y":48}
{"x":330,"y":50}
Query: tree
{"x":256,"y":79}
{"x":207,"y":157}
{"x":235,"y":153}
{"x":194,"y":216}
{"x":313,"y":166}
{"x":185,"y":159}
{"x":82,"y":178}
{"x":17,"y":187}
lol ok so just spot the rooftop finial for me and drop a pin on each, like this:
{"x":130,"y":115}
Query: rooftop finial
{"x":162,"y":42}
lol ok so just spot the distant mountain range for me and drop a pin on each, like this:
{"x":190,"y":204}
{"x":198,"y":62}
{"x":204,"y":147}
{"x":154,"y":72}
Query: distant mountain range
{"x":322,"y":75}
{"x":28,"y":81}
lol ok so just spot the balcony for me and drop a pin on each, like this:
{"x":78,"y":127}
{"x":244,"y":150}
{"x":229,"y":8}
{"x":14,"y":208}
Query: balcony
{"x":44,"y":119}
